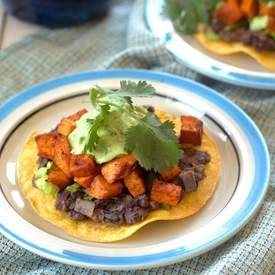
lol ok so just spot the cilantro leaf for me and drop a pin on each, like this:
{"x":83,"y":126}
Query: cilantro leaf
{"x":139,"y":89}
{"x":173,"y":8}
{"x":88,"y":197}
{"x":127,"y":89}
{"x":187,"y":15}
{"x":95,"y":95}
{"x":73,"y":188}
{"x":153,"y":144}
{"x":95,"y":125}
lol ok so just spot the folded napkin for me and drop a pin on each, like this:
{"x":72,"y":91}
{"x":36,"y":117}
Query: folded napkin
{"x":121,"y":40}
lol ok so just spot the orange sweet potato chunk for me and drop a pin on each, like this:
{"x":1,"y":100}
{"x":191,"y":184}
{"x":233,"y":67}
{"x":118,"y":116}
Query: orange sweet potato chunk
{"x":191,"y":130}
{"x":76,"y":116}
{"x":84,"y":181}
{"x":170,"y":174}
{"x":135,"y":183}
{"x":58,"y":177}
{"x":62,"y":155}
{"x":265,"y":9}
{"x":229,"y":13}
{"x":83,"y":166}
{"x":271,"y":24}
{"x":249,"y":8}
{"x":166,"y":193}
{"x":66,"y":126}
{"x":118,"y":168}
{"x":101,"y":189}
{"x":45,"y":145}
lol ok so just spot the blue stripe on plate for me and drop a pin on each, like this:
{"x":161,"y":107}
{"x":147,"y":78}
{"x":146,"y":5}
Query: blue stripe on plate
{"x":217,"y":72}
{"x":260,"y":182}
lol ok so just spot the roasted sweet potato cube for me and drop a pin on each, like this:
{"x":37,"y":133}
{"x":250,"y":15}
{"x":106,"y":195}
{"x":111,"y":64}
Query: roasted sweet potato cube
{"x":58,"y":177}
{"x":63,"y":154}
{"x":101,"y":189}
{"x":84,"y":181}
{"x":66,"y":126}
{"x":45,"y":145}
{"x":229,"y":13}
{"x":118,"y":168}
{"x":249,"y":8}
{"x":135,"y":183}
{"x":170,"y":174}
{"x":271,"y":24}
{"x":83,"y":166}
{"x":76,"y":116}
{"x":191,"y":130}
{"x":166,"y":193}
{"x":266,"y":9}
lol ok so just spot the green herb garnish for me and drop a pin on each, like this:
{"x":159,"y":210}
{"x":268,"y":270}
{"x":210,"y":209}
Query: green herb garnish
{"x":73,"y":188}
{"x":165,"y":206}
{"x":187,"y":15}
{"x":154,"y":144}
{"x":87,"y":197}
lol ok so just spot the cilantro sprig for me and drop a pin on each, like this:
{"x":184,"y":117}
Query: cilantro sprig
{"x":153,"y":143}
{"x":187,"y":15}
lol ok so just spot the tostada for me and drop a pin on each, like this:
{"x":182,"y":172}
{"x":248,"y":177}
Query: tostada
{"x":102,"y":174}
{"x":229,"y":26}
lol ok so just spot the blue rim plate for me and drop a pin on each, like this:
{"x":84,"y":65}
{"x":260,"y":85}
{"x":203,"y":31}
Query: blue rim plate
{"x":237,"y":69}
{"x":227,"y":123}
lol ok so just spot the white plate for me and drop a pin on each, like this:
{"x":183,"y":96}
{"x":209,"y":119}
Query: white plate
{"x":238,"y":69}
{"x":245,"y":170}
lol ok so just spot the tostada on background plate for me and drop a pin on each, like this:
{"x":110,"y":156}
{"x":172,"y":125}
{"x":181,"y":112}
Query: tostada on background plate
{"x":229,"y":40}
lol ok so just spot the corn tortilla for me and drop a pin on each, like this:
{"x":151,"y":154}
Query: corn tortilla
{"x":266,"y":58}
{"x":88,"y":230}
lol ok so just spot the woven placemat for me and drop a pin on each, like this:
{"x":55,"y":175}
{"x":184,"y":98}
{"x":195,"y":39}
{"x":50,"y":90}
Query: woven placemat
{"x":121,"y":40}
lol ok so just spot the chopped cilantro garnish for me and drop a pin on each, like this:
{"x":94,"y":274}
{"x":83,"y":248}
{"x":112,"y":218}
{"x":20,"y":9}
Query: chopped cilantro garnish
{"x":87,"y":197}
{"x":165,"y":206}
{"x":73,"y":188}
{"x":187,"y":15}
{"x":154,"y":144}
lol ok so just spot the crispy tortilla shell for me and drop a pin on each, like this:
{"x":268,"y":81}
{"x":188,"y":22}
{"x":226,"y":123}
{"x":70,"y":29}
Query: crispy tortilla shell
{"x":266,"y":59}
{"x":44,"y":204}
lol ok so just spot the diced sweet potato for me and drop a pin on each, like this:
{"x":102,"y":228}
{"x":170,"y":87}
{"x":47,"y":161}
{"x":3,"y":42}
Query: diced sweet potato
{"x":271,"y":24}
{"x":101,"y":189}
{"x":76,"y":116}
{"x":63,"y":154}
{"x":135,"y":183}
{"x":171,"y":174}
{"x":229,"y":13}
{"x":58,"y":177}
{"x":83,"y":166}
{"x":166,"y":193}
{"x":191,"y":130}
{"x":265,"y":9}
{"x":234,"y":2}
{"x":84,"y":181}
{"x":118,"y":168}
{"x":45,"y":145}
{"x":66,"y":126}
{"x":249,"y":8}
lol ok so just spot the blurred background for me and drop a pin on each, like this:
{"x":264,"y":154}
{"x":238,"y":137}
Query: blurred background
{"x":19,"y":18}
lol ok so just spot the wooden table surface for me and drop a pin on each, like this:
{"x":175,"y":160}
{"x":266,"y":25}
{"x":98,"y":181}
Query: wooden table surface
{"x":13,"y":30}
